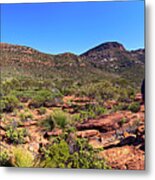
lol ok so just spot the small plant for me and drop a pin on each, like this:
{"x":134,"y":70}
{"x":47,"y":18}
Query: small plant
{"x":121,"y":106}
{"x":25,"y":116}
{"x":48,"y":123}
{"x":8,"y":103}
{"x":123,"y":121}
{"x":22,"y":158}
{"x":16,"y":136}
{"x":134,"y":107}
{"x":4,"y":158}
{"x":92,"y":111}
{"x":76,"y":117}
{"x":60,"y":118}
{"x":42,"y":110}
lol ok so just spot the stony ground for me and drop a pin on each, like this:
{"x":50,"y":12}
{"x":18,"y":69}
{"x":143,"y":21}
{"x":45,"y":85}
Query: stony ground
{"x":123,"y":141}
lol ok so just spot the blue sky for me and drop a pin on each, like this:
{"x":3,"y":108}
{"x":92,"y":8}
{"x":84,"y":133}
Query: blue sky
{"x":73,"y":27}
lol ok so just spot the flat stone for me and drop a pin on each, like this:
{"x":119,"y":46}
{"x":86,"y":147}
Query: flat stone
{"x":87,"y":133}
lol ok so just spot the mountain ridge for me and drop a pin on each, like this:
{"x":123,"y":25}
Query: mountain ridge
{"x":105,"y":60}
{"x":5,"y":45}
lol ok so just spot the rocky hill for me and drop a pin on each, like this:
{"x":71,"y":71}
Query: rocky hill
{"x":108,"y":59}
{"x":113,"y":57}
{"x":18,"y":61}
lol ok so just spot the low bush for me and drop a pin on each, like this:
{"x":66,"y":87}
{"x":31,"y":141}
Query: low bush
{"x":25,"y":116}
{"x":134,"y":107}
{"x":44,"y":98}
{"x":9,"y":103}
{"x":16,"y":136}
{"x":78,"y":154}
{"x":22,"y":158}
{"x":4,"y":158}
{"x":107,"y":90}
{"x":48,"y":123}
{"x":60,"y":118}
{"x":92,"y":111}
{"x":121,"y":106}
{"x":41,"y":110}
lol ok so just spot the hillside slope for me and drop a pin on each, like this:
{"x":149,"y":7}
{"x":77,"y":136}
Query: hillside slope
{"x":113,"y":57}
{"x":109,"y":60}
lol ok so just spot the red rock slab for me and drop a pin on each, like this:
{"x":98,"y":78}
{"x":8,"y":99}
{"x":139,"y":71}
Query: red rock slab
{"x":126,"y":157}
{"x":109,"y":122}
{"x":29,"y":123}
{"x":88,"y":133}
{"x":55,"y":132}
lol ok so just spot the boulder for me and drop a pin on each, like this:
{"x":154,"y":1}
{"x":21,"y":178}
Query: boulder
{"x":88,"y":133}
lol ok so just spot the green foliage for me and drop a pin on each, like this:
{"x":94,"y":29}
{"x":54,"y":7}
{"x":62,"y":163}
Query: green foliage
{"x":8,"y":103}
{"x":121,"y":106}
{"x":92,"y":111}
{"x":4,"y":158}
{"x":43,"y":96}
{"x":106,"y":90}
{"x":16,"y":136}
{"x":25,"y":116}
{"x":42,"y":110}
{"x":123,"y":121}
{"x":22,"y":158}
{"x":134,"y":107}
{"x":56,"y":155}
{"x":8,"y":85}
{"x":76,"y":117}
{"x":78,"y":154}
{"x":60,"y":118}
{"x":48,"y":123}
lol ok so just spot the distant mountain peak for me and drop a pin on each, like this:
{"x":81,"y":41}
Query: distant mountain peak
{"x":111,"y":45}
{"x":108,"y":46}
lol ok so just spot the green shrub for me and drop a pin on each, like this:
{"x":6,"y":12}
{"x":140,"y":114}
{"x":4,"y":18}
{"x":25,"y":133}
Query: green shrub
{"x":4,"y":158}
{"x":92,"y":111}
{"x":16,"y":136}
{"x":8,"y":85}
{"x":8,"y":103}
{"x":60,"y":118}
{"x":76,"y":117}
{"x":80,"y":154}
{"x":123,"y":121}
{"x":106,"y":90}
{"x":134,"y":107}
{"x":42,"y":110}
{"x":25,"y":116}
{"x":48,"y":123}
{"x":56,"y":155}
{"x":22,"y":158}
{"x":121,"y":106}
{"x":43,"y":96}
